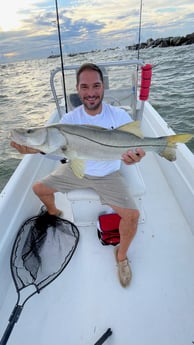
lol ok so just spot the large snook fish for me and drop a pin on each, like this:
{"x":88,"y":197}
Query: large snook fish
{"x":82,"y":142}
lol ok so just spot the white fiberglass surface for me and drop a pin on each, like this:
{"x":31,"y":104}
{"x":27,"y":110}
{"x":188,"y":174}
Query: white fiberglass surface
{"x":87,"y":299}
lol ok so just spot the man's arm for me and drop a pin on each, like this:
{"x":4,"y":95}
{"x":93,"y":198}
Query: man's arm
{"x":23,"y":149}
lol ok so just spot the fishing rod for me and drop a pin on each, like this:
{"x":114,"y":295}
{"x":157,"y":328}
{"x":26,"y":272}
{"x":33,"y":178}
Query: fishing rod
{"x":136,"y":71}
{"x":146,"y":73}
{"x":61,"y":55}
{"x":139,"y":34}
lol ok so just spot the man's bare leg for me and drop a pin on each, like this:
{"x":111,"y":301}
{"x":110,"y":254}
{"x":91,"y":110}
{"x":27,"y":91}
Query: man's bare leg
{"x":127,"y":229}
{"x":46,"y":195}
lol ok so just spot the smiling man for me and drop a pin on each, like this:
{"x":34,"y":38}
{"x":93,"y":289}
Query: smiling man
{"x":90,"y":88}
{"x":103,"y":176}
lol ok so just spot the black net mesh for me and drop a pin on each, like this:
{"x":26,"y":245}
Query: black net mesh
{"x":43,"y":247}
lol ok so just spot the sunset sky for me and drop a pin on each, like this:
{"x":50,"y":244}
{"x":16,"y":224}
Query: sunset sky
{"x":28,"y":28}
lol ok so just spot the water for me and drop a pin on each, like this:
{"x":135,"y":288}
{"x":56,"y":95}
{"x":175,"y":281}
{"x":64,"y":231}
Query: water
{"x":26,"y":98}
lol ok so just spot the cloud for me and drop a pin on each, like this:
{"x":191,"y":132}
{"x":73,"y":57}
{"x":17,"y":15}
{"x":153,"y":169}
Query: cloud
{"x":88,"y":25}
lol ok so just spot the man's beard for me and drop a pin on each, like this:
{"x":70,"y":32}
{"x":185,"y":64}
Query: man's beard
{"x":90,"y":106}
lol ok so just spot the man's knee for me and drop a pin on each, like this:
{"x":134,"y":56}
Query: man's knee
{"x":131,"y":216}
{"x":128,"y":214}
{"x":135,"y":214}
{"x":41,"y":189}
{"x":37,"y":188}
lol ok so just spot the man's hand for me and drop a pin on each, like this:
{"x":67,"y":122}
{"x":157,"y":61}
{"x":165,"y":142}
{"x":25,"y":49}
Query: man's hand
{"x":23,"y":149}
{"x":131,"y":157}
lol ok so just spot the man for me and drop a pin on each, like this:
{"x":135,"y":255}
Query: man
{"x":103,"y":176}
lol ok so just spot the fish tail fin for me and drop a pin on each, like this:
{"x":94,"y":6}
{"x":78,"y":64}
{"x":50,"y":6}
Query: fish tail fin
{"x":169,"y":152}
{"x":183,"y":138}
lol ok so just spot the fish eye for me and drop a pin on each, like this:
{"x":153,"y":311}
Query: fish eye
{"x":29,"y":131}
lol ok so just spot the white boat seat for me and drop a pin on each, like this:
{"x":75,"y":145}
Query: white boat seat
{"x":87,"y":199}
{"x":74,"y":100}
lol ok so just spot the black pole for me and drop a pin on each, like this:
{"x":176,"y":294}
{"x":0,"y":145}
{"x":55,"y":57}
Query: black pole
{"x":61,"y":55}
{"x":139,"y":38}
{"x":104,"y":337}
{"x":12,"y":321}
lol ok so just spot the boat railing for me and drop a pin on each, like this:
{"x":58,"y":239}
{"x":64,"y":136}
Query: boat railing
{"x":136,"y":105}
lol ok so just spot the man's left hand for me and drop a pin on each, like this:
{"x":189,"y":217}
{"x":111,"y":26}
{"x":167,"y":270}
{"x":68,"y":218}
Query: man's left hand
{"x":131,"y":157}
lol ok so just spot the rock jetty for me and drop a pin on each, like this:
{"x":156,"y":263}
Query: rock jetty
{"x":165,"y":42}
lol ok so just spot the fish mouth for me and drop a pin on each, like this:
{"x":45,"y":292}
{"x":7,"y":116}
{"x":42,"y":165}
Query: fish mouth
{"x":16,"y":138}
{"x":11,"y":135}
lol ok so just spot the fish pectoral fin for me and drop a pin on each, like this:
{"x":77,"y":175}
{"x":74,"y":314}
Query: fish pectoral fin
{"x":133,"y":128}
{"x":78,"y":167}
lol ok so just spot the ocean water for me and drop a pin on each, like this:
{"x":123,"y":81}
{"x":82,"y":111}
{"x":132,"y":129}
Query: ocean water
{"x":26,"y":97}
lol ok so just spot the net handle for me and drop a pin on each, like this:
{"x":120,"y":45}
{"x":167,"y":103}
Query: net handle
{"x":12,"y":321}
{"x":104,"y":337}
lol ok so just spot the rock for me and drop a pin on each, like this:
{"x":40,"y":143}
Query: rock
{"x":164,"y":42}
{"x":190,"y":39}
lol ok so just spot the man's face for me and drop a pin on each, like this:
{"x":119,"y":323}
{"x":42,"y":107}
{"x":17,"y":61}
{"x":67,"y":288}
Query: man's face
{"x":91,"y":91}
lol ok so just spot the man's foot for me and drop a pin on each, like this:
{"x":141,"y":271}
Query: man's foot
{"x":124,"y":270}
{"x":58,"y":213}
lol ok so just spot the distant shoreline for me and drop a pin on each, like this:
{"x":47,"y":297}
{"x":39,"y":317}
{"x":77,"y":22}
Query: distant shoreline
{"x":164,"y":42}
{"x":54,"y":56}
{"x":150,"y":43}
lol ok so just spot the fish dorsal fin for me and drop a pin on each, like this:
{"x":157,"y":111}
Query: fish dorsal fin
{"x":133,"y":128}
{"x":78,"y":167}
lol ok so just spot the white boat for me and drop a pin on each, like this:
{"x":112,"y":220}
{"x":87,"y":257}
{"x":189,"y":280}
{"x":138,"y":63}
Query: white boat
{"x":86,"y":299}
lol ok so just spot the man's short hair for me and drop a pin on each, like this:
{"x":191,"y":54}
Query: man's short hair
{"x":89,"y":67}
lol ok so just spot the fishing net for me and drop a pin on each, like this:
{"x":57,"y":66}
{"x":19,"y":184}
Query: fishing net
{"x":42,"y":249}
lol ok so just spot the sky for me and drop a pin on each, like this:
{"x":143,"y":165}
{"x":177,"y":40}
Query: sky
{"x":28,"y":28}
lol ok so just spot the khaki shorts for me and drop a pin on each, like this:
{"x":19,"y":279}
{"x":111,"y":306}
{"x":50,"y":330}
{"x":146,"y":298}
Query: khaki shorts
{"x":111,"y":188}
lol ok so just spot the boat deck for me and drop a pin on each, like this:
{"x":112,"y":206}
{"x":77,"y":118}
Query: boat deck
{"x":87,"y":299}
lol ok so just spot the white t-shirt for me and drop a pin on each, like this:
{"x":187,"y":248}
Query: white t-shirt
{"x":110,"y":117}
